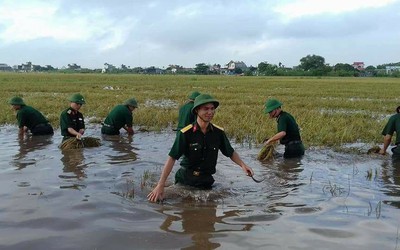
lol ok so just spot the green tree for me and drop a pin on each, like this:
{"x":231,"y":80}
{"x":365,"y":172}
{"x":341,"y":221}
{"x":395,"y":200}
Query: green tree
{"x":266,"y":69}
{"x":250,"y":71}
{"x":315,"y":65}
{"x":344,"y":67}
{"x":201,"y":69}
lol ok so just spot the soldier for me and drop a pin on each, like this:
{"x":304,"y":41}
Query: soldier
{"x":30,"y":118}
{"x":288,"y":130}
{"x":393,"y":125}
{"x":72,"y":123}
{"x":120,"y":117}
{"x":199,"y":144}
{"x":186,"y":116}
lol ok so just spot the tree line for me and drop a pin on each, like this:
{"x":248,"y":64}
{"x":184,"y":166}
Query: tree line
{"x":310,"y":65}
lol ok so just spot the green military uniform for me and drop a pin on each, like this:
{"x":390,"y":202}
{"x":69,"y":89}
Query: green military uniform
{"x":33,"y":120}
{"x":393,"y":125}
{"x":293,"y":145}
{"x":119,"y":116}
{"x":186,"y":116}
{"x":71,"y":119}
{"x":292,"y":140}
{"x":200,"y":153}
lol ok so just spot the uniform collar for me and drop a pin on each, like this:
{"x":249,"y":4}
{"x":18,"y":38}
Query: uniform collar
{"x":74,"y":112}
{"x":279,"y":116}
{"x":196,"y":127}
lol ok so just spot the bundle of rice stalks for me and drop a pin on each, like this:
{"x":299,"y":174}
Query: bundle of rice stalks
{"x":374,"y":150}
{"x":267,"y":152}
{"x":84,"y":142}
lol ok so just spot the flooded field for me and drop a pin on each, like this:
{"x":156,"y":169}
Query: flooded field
{"x":95,"y":198}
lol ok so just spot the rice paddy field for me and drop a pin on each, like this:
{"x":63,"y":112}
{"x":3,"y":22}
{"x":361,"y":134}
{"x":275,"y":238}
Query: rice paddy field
{"x":330,"y":111}
{"x":335,"y":197}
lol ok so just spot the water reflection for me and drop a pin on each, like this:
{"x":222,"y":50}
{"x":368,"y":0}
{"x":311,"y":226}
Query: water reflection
{"x":285,"y":172}
{"x":391,"y":179}
{"x":284,"y":177}
{"x":27,"y":145}
{"x":202,"y":222}
{"x":73,"y":167}
{"x":122,"y":145}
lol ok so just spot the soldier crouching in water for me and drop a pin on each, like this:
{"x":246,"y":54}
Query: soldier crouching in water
{"x":30,"y":119}
{"x":288,"y":130}
{"x":120,"y":117}
{"x":392,"y":126}
{"x":199,"y":144}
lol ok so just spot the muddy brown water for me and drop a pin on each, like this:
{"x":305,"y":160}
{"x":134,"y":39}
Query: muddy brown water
{"x":95,"y":198}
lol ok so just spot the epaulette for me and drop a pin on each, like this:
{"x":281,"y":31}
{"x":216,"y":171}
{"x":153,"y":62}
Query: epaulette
{"x":186,"y":128}
{"x":221,"y":128}
{"x":69,"y":111}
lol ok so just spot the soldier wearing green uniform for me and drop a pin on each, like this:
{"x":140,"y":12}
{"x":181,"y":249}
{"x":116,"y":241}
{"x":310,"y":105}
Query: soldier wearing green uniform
{"x":120,"y":117}
{"x":30,"y":118}
{"x":198,"y":144}
{"x":186,"y":116}
{"x":288,"y":130}
{"x":72,"y":123}
{"x":393,"y":125}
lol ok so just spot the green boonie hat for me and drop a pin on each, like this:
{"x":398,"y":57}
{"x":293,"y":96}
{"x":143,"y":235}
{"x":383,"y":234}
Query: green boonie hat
{"x":16,"y":100}
{"x":193,"y":95}
{"x":77,"y":98}
{"x":272,"y":104}
{"x":203,"y":99}
{"x":131,"y":102}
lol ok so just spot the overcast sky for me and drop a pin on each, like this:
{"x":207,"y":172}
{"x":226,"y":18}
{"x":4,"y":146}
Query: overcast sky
{"x":162,"y":32}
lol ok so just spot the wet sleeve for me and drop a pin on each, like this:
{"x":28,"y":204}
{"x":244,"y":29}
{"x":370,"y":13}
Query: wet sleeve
{"x":226,"y":148}
{"x":81,"y":122}
{"x":282,"y":124}
{"x":20,"y":119}
{"x":178,"y":148}
{"x":390,"y":127}
{"x":129,"y":119}
{"x":65,"y":122}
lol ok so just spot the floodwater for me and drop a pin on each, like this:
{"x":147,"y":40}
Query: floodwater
{"x":95,"y":198}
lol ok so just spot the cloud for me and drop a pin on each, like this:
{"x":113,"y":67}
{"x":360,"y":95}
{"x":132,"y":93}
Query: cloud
{"x":300,"y":8}
{"x":159,"y":33}
{"x":38,"y":19}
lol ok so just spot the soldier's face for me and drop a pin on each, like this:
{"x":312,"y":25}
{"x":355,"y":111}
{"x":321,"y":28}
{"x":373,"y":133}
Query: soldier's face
{"x":15,"y":107}
{"x":76,"y":106}
{"x":206,"y":112}
{"x":274,"y":113}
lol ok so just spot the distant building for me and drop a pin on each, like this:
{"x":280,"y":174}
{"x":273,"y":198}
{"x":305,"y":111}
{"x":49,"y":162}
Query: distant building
{"x":108,"y":68}
{"x":215,"y":69}
{"x":391,"y":69}
{"x":153,"y":71}
{"x":359,"y":65}
{"x":27,"y":67}
{"x":5,"y":67}
{"x":74,"y":66}
{"x":233,"y":66}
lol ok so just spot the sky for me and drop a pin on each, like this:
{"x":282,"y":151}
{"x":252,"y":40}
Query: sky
{"x":144,"y":33}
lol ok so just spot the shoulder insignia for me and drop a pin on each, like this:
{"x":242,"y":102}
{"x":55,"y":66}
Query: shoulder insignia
{"x":221,"y":128}
{"x":186,"y":128}
{"x":69,"y":111}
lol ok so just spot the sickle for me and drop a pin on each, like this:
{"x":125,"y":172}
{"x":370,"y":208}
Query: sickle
{"x":254,"y":179}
